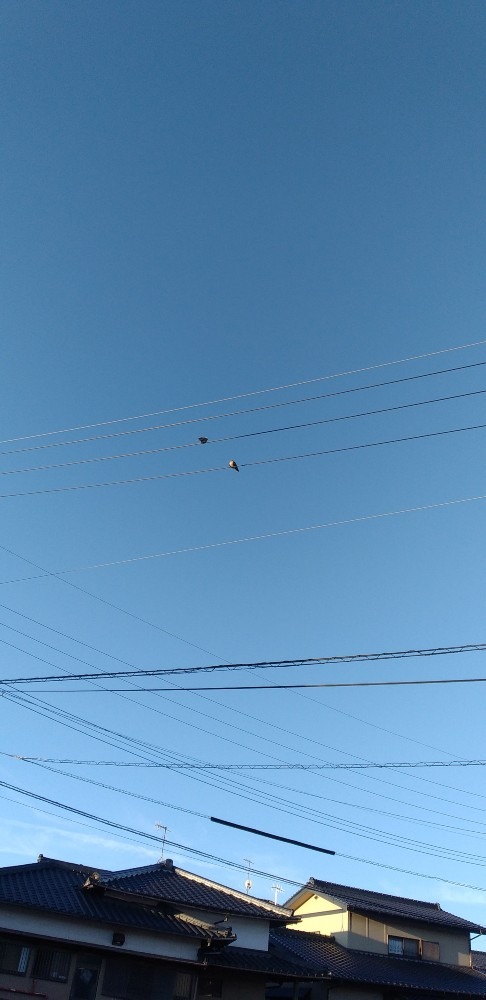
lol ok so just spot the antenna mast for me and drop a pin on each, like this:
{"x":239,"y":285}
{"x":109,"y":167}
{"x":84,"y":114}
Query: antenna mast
{"x":248,"y":883}
{"x":160,"y":826}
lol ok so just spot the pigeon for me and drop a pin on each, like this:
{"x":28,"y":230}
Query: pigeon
{"x":232,"y":464}
{"x":203,"y":440}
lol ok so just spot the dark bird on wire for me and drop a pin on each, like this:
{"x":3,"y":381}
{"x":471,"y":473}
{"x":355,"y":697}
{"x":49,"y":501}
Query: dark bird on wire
{"x":232,"y":464}
{"x":203,"y":440}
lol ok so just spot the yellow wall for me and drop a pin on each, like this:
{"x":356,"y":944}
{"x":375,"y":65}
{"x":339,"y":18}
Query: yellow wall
{"x":322,"y":915}
{"x":327,"y":916}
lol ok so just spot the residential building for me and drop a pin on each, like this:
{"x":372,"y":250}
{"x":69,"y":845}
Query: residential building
{"x":375,"y":946}
{"x":151,"y":933}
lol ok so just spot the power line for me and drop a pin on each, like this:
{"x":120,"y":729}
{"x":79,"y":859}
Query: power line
{"x":245,"y":395}
{"x":272,"y":802}
{"x":239,"y":437}
{"x":237,"y":413}
{"x":58,"y":574}
{"x":300,"y":694}
{"x":167,"y":805}
{"x":267,"y":740}
{"x":278,"y":687}
{"x":202,"y":854}
{"x":328,"y":766}
{"x":243,"y":465}
{"x":401,"y":654}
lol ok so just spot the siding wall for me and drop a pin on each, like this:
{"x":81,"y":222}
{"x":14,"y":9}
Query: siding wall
{"x":327,"y":916}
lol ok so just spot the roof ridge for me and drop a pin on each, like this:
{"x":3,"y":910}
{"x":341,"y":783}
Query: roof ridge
{"x":372,"y":892}
{"x":273,"y":907}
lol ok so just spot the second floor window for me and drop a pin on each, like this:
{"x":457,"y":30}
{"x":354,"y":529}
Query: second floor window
{"x":403,"y":947}
{"x":51,"y":964}
{"x":14,"y":957}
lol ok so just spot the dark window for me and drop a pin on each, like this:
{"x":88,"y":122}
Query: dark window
{"x":14,"y":957}
{"x":85,"y":979}
{"x":183,"y":986}
{"x":51,"y":964}
{"x":404,"y":947}
{"x":209,"y":986}
{"x":136,"y":979}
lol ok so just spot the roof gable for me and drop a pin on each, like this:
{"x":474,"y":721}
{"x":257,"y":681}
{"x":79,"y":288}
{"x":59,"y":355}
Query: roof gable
{"x":59,"y":888}
{"x":179,"y":887}
{"x":382,"y":904}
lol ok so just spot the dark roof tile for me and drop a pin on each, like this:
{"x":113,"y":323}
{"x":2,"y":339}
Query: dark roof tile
{"x":322,"y":954}
{"x":57,"y":887}
{"x":367,"y":901}
{"x":174,"y":885}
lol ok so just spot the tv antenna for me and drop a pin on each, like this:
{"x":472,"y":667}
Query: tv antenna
{"x":277,"y":889}
{"x":248,"y":883}
{"x":160,"y":826}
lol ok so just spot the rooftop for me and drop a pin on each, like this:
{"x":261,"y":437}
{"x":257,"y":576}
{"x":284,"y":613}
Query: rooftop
{"x":322,"y":954}
{"x":176,"y":886}
{"x":58,"y":887}
{"x":367,"y":901}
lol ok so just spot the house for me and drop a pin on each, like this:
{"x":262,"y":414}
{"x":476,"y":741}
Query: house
{"x":376,"y":946}
{"x":157,"y":932}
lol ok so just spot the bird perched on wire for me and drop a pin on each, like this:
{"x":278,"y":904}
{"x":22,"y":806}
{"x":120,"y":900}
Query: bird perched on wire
{"x":203,"y":440}
{"x":232,"y":464}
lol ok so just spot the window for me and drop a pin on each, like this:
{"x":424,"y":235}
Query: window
{"x":14,"y":957}
{"x":404,"y":947}
{"x":431,"y":951}
{"x":138,"y":979}
{"x":183,"y":986}
{"x":209,"y":986}
{"x":85,"y":979}
{"x":51,"y":964}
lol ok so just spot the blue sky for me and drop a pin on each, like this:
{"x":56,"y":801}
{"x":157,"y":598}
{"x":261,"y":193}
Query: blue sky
{"x":201,"y":201}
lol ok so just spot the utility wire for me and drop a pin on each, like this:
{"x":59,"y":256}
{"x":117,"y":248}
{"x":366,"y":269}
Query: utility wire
{"x":243,"y":465}
{"x":161,"y":629}
{"x":245,"y":395}
{"x":167,"y":805}
{"x":239,"y":437}
{"x":202,"y":854}
{"x":236,"y":413}
{"x":273,"y":742}
{"x":401,"y":654}
{"x":276,"y":687}
{"x":329,"y":765}
{"x":59,"y":574}
{"x":367,"y":832}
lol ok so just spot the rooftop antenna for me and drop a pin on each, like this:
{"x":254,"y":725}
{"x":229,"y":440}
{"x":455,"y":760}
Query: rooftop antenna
{"x":248,"y":883}
{"x":160,"y":826}
{"x":277,"y":889}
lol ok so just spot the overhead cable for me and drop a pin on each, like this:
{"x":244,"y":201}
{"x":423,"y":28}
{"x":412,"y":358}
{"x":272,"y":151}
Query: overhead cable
{"x":238,"y":437}
{"x":401,"y":654}
{"x":59,"y":574}
{"x":328,"y":766}
{"x":245,"y":395}
{"x":236,"y":413}
{"x":275,"y":687}
{"x":202,"y":854}
{"x":243,"y":465}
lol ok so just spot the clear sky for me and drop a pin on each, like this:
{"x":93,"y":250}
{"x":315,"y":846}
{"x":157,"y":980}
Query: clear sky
{"x":201,"y":201}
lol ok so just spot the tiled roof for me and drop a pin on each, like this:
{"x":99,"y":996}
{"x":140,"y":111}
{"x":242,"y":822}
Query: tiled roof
{"x":479,"y":960}
{"x":366,"y":901}
{"x":57,"y":887}
{"x":174,"y":885}
{"x":269,"y":963}
{"x":322,"y":954}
